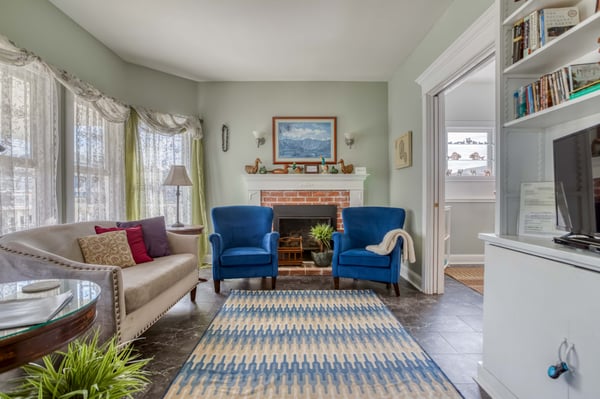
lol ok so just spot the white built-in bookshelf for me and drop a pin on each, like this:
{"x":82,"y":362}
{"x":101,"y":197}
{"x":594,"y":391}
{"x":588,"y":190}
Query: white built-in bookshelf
{"x":538,"y":294}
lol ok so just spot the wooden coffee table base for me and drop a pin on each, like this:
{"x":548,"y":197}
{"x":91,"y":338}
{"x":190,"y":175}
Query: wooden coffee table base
{"x":34,"y":344}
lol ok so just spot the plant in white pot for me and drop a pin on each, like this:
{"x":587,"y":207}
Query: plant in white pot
{"x":322,"y":233}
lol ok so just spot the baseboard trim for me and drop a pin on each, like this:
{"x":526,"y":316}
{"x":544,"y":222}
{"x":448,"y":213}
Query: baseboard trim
{"x":491,"y":384}
{"x":466,"y":259}
{"x":412,"y":277}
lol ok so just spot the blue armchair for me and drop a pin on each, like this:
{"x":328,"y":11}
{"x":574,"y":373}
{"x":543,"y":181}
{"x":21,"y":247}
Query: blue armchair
{"x":367,"y":226}
{"x":243,"y":243}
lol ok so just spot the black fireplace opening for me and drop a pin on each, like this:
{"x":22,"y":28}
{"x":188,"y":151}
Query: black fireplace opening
{"x":296,"y":221}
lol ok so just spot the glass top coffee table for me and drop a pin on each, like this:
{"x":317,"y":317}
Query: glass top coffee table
{"x":20,"y":345}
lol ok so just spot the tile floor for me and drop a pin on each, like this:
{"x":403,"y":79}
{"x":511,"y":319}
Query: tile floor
{"x":447,"y":326}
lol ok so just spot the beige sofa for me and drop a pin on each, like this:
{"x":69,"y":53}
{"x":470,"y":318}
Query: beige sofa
{"x":132,"y":298}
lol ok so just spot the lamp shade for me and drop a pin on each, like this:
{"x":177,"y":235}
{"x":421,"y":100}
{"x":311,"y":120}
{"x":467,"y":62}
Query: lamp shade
{"x":177,"y":177}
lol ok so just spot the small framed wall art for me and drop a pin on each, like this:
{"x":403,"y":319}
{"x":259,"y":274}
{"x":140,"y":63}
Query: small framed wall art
{"x":304,"y":139}
{"x":403,"y":151}
{"x":311,"y":168}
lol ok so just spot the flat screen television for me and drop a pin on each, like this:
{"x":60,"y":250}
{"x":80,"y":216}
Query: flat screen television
{"x":577,"y":187}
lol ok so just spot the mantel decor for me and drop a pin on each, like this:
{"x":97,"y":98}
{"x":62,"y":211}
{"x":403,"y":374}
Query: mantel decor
{"x":307,"y":139}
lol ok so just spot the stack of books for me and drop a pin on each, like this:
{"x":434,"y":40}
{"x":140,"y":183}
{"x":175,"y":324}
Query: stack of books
{"x":557,"y":87}
{"x":540,"y":28}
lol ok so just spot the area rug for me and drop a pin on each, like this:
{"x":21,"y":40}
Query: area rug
{"x":471,"y":276}
{"x":308,"y":344}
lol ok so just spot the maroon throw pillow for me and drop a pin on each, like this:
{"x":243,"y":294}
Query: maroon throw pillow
{"x":155,"y":235}
{"x":135,"y":239}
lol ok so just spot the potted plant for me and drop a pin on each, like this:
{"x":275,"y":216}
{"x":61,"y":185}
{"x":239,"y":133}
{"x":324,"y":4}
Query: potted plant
{"x":322,"y":233}
{"x":86,"y":370}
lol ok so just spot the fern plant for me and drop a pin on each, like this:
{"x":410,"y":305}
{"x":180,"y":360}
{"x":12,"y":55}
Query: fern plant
{"x":87,"y":370}
{"x":322,"y":233}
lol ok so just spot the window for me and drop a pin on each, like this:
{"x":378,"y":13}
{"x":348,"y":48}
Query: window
{"x":98,"y":156}
{"x":158,"y":152}
{"x":28,"y":130}
{"x":470,"y":152}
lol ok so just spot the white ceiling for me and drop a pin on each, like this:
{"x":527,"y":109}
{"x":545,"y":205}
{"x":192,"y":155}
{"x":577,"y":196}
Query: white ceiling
{"x":261,"y":40}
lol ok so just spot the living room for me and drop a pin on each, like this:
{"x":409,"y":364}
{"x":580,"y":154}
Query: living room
{"x":374,"y":111}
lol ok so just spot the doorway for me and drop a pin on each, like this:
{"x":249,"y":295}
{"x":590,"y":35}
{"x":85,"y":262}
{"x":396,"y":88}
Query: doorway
{"x":468,"y":53}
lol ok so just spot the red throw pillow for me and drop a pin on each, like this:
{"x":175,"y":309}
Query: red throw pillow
{"x":135,"y":238}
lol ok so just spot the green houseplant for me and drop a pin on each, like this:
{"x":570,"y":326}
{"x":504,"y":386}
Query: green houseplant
{"x":87,"y":370}
{"x":322,"y":233}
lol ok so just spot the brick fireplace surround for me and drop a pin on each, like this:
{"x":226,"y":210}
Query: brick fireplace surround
{"x":306,"y":189}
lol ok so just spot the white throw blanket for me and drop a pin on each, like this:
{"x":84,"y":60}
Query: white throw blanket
{"x":389,"y":242}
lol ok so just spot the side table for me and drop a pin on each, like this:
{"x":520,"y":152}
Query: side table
{"x":25,"y":344}
{"x":190,"y":230}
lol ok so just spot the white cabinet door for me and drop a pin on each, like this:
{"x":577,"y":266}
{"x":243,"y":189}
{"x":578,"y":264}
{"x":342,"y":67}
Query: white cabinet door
{"x":525,"y":319}
{"x":584,"y":333}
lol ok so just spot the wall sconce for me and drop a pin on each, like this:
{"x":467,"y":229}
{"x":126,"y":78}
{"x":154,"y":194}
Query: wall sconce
{"x":260,"y":138}
{"x":349,"y":139}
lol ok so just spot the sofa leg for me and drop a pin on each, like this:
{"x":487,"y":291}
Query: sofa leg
{"x":397,"y":289}
{"x":273,"y":282}
{"x":336,"y":283}
{"x":193,"y":294}
{"x":217,"y":286}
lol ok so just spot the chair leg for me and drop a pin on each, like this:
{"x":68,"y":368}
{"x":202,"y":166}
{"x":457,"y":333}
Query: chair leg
{"x":388,"y":285}
{"x":217,"y":286}
{"x":193,"y":294}
{"x":336,"y":283}
{"x":397,"y":289}
{"x":273,"y":282}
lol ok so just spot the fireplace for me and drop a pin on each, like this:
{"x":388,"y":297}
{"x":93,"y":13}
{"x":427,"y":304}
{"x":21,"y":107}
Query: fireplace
{"x":296,"y":220}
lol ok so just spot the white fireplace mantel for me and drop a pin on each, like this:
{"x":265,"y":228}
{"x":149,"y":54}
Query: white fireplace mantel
{"x":313,"y":182}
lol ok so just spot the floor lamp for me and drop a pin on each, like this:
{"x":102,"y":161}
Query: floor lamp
{"x":177,"y":177}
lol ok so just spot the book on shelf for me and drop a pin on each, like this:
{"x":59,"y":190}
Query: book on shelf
{"x":583,"y":76}
{"x":556,"y":21}
{"x":539,"y":28}
{"x":29,"y":311}
{"x":550,"y":89}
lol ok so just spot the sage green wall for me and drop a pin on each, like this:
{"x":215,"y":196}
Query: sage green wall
{"x":405,"y":113}
{"x":38,"y":26}
{"x":361,"y":108}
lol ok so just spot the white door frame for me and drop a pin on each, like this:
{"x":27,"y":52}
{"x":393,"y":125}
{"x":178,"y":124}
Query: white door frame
{"x":476,"y":44}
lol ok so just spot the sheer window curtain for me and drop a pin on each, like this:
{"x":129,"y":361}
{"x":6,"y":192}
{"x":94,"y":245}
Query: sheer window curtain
{"x":98,"y":159}
{"x":29,"y":132}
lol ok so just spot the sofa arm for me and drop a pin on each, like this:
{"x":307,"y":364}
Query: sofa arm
{"x":19,"y":261}
{"x":182,"y":243}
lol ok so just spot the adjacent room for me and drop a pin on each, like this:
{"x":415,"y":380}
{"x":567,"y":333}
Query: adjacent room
{"x":322,"y":198}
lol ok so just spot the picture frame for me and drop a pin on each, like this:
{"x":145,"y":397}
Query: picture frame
{"x":403,"y":151}
{"x":311,"y":168}
{"x":305,"y":139}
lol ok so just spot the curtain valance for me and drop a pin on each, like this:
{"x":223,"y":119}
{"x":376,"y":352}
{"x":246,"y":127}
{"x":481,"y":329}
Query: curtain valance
{"x":170,"y":124}
{"x":110,"y":108}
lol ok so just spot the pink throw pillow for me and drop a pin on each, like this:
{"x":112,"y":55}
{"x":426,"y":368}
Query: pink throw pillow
{"x":135,"y":238}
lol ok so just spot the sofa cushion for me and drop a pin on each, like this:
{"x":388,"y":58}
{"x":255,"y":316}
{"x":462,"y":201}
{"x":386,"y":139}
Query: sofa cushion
{"x":362,"y":257}
{"x":107,"y":249}
{"x":135,"y":238}
{"x":145,"y":282}
{"x":155,"y":235}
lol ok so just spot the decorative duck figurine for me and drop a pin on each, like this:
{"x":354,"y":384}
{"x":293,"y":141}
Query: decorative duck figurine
{"x":283,"y":170}
{"x":252,"y":169}
{"x":346,"y":169}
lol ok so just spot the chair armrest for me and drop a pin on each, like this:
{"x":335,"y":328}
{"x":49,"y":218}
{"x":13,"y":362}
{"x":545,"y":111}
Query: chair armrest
{"x":341,"y":242}
{"x":216,"y":241}
{"x":271,"y":241}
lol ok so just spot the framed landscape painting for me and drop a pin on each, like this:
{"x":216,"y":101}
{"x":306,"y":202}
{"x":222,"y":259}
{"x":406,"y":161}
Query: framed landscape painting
{"x":305,"y":139}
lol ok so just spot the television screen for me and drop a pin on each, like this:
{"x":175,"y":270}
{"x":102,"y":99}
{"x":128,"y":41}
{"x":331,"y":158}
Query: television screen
{"x":577,"y":182}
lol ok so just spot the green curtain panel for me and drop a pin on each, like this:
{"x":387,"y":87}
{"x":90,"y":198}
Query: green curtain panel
{"x":198,"y":200}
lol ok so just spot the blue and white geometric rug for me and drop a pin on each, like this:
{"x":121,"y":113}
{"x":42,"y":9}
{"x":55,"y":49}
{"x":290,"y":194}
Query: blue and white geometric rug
{"x":308,"y":344}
